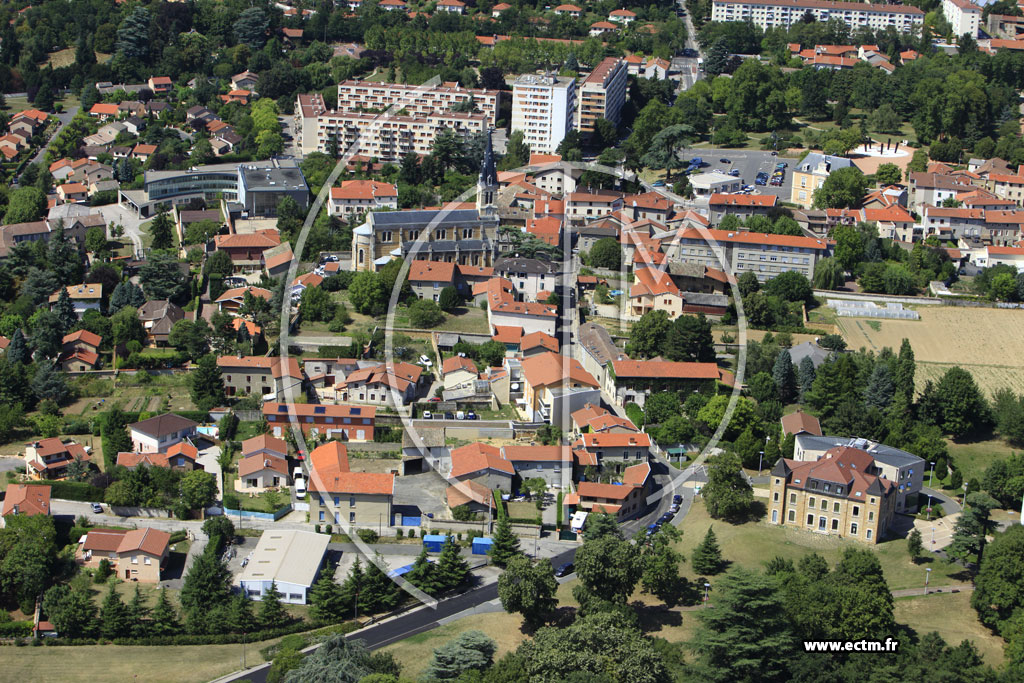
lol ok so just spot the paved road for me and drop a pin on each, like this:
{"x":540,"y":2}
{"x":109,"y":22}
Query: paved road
{"x":64,"y":117}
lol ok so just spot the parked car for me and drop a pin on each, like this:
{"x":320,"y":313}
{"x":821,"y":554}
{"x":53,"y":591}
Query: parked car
{"x":652,"y":529}
{"x":434,"y":399}
{"x":97,"y":508}
{"x":725,"y":161}
{"x":677,"y":499}
{"x":449,"y":415}
{"x":471,"y":415}
{"x":297,"y":473}
{"x":425,"y":361}
{"x":674,"y":508}
{"x":565,"y":569}
{"x":427,"y":415}
{"x":735,"y":173}
{"x":781,"y":164}
{"x":300,"y":489}
{"x":459,"y":415}
{"x":658,"y":183}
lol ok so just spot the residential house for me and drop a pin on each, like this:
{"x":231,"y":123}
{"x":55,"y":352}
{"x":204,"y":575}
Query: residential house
{"x":528,"y":276}
{"x":555,"y":386}
{"x":244,"y":81}
{"x":259,"y":472}
{"x":72,"y":192}
{"x":157,"y":434}
{"x":934,"y":189}
{"x":615,"y":450}
{"x":740,"y":205}
{"x":571,"y":10}
{"x":800,"y":423}
{"x":182,"y":456}
{"x":158,"y":317}
{"x":84,"y":298}
{"x":351,"y":423}
{"x":811,"y":172}
{"x":476,"y":497}
{"x":553,"y":464}
{"x":583,"y":206}
{"x":103,"y":111}
{"x":359,"y":196}
{"x":428,"y":278}
{"x":632,"y":381}
{"x":458,"y":372}
{"x":231,"y":300}
{"x":24,"y":499}
{"x":264,"y":445}
{"x":269,"y":377}
{"x":80,"y":351}
{"x":841,"y":494}
{"x":504,"y":311}
{"x":49,"y":458}
{"x":143,"y":152}
{"x":246,"y":250}
{"x":240,"y":96}
{"x":28,"y":122}
{"x":136,"y":554}
{"x":160,"y":85}
{"x":483,"y":464}
{"x":623,"y":501}
{"x":383,"y":384}
{"x":350,"y":499}
{"x":451,"y":6}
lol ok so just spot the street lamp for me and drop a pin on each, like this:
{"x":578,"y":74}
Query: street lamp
{"x":760,"y":456}
{"x":927,"y":575}
{"x":930,"y":477}
{"x":707,"y":587}
{"x":964,"y":503}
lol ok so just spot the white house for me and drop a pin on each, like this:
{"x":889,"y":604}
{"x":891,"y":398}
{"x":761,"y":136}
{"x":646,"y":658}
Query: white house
{"x":159,"y":433}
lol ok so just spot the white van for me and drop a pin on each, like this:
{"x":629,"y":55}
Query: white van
{"x":298,"y":474}
{"x":300,"y":489}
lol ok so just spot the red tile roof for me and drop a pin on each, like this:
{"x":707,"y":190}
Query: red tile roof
{"x":29,"y":500}
{"x":431,"y":271}
{"x":548,"y":369}
{"x":766,"y":200}
{"x":456,"y":363}
{"x":476,"y":457}
{"x":84,"y":336}
{"x":665,"y":369}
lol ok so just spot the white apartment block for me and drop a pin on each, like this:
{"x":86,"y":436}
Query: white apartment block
{"x":391,"y":138}
{"x":784,"y":13}
{"x":963,"y":16}
{"x":764,"y":255}
{"x":362,"y":96}
{"x":543,"y":107}
{"x":602,"y":94}
{"x":307,"y":109}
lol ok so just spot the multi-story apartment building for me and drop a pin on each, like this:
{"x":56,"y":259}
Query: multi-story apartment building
{"x":359,"y":196}
{"x":529,"y":276}
{"x":340,"y":496}
{"x":964,"y":16}
{"x":602,"y":95}
{"x":762,"y":254}
{"x":417,"y":101}
{"x":784,"y":13}
{"x":841,"y":494}
{"x":351,"y":423}
{"x":389,"y":138}
{"x":308,"y":109}
{"x":543,"y":107}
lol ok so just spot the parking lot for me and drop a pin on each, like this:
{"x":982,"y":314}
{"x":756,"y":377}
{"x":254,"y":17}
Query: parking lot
{"x":749,"y":162}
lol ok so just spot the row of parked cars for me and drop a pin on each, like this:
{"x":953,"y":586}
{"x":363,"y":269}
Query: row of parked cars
{"x":667,"y":517}
{"x":449,"y":415}
{"x":775,"y":179}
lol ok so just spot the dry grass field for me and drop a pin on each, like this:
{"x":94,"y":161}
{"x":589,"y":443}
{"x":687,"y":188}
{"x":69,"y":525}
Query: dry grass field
{"x":989,"y":342}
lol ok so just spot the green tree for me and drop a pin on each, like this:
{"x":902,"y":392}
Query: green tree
{"x":206,"y":386}
{"x":251,"y":27}
{"x":17,"y":350}
{"x":727,"y":494}
{"x":191,"y":338}
{"x":747,"y":636}
{"x":316,"y":305}
{"x":829,"y":274}
{"x":24,"y":205}
{"x":606,"y":253}
{"x":207,"y":586}
{"x":198,"y":489}
{"x":880,"y":389}
{"x":425,"y":314}
{"x":49,"y":383}
{"x":327,"y":603}
{"x":452,"y":569}
{"x":689,"y":340}
{"x":842,"y":189}
{"x":528,"y":588}
{"x":505,"y":544}
{"x":423,"y":574}
{"x":126,"y":294}
{"x":368,"y":294}
{"x":784,"y":377}
{"x":162,"y":230}
{"x":888,"y":174}
{"x":165,"y":619}
{"x":914,"y":546}
{"x":28,"y":555}
{"x":999,"y":589}
{"x":272,"y":613}
{"x":113,"y":620}
{"x":964,"y":407}
{"x":665,"y":148}
{"x":849,"y":249}
{"x":339,"y":660}
{"x":469,"y":651}
{"x":707,"y":556}
{"x":648,"y":334}
{"x":448,"y":300}
{"x":161,"y":277}
{"x":661,"y":562}
{"x":71,"y":610}
{"x":608,"y":569}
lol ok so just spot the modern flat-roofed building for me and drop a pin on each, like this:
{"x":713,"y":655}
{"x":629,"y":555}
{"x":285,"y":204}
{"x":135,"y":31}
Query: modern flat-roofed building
{"x":785,"y":13}
{"x":260,"y":189}
{"x":602,"y":95}
{"x":764,"y":255}
{"x":543,"y":107}
{"x":418,"y":101}
{"x":288,"y":559}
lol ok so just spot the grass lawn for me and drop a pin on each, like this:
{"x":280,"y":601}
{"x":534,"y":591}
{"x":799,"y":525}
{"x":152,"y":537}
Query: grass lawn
{"x":470,"y":320}
{"x":89,"y":663}
{"x":414,"y":653}
{"x":972,"y":459}
{"x":247,"y":430}
{"x":506,"y":412}
{"x":754,"y":543}
{"x":523,"y":510}
{"x":936,"y":612}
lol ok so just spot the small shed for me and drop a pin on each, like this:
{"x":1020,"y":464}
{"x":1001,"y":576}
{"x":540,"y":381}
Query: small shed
{"x":482,"y":546}
{"x":434,"y":543}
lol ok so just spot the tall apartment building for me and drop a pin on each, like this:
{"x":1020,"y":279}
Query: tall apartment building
{"x":308,"y":109}
{"x":362,"y":96}
{"x":391,"y":138}
{"x":964,"y":16}
{"x":784,"y":13}
{"x":543,"y":107}
{"x":602,"y":94}
{"x":762,"y":254}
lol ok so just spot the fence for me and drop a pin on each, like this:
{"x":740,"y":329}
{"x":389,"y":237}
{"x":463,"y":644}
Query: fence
{"x":436,"y":526}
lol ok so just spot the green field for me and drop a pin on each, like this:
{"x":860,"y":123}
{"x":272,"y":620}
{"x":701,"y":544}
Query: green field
{"x":972,"y":459}
{"x":953,"y":618}
{"x":754,"y":543}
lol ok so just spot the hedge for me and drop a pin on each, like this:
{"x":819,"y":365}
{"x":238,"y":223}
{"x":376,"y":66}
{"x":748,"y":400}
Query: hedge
{"x":72,"y":490}
{"x":525,"y":520}
{"x":15,"y":629}
{"x":178,"y":536}
{"x":213,"y":638}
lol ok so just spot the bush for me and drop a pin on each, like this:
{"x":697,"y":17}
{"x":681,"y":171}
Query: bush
{"x":178,"y":536}
{"x":232,"y":501}
{"x":399,"y":533}
{"x":367,"y":535}
{"x":15,"y":629}
{"x":412,"y":533}
{"x":103,"y":571}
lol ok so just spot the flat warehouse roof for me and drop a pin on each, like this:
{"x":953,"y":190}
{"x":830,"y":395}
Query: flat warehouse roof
{"x":286,"y":556}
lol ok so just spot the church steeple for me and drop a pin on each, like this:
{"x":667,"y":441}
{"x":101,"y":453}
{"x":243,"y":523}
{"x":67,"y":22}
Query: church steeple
{"x":487,"y":183}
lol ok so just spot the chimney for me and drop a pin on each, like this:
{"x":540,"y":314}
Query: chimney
{"x":636,"y":211}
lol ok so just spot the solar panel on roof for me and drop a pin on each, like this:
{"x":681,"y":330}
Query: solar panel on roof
{"x":356,"y":411}
{"x":319,"y":410}
{"x":282,"y":409}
